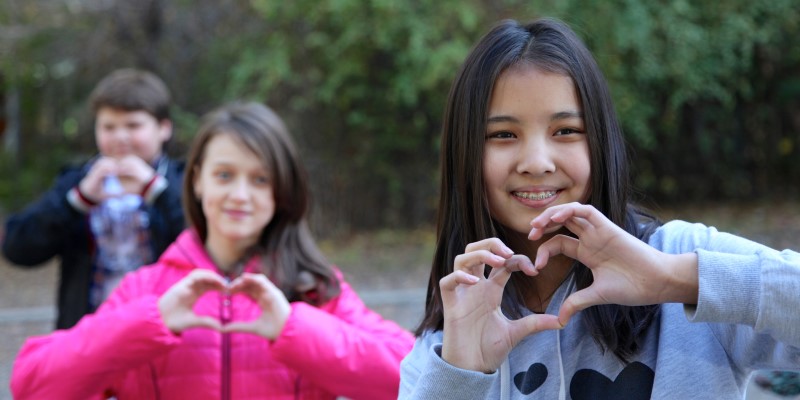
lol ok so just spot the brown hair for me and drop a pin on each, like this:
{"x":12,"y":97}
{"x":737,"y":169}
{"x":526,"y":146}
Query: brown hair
{"x":290,"y":254}
{"x":132,"y":90}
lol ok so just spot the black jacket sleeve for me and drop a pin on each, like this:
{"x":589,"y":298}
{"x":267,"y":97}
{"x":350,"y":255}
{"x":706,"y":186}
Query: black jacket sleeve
{"x":48,"y":226}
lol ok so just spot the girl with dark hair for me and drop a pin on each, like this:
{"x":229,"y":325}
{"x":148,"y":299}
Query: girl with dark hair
{"x":242,"y":305}
{"x":547,"y":282}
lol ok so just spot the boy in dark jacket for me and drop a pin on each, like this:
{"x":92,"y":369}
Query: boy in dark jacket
{"x":132,"y":125}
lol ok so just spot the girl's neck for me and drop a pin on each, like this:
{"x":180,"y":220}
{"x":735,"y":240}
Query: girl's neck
{"x":539,"y":290}
{"x":225,"y":255}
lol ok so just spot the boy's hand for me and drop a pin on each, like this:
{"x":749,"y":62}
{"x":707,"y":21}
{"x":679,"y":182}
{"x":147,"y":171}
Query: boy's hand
{"x":134,"y":173}
{"x":91,"y":185}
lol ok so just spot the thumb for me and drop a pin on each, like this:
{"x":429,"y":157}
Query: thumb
{"x":203,"y":322}
{"x":577,"y":301}
{"x":242,"y":327}
{"x":531,"y":324}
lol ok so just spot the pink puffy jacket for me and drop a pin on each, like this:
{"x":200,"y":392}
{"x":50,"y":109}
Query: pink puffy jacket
{"x":125,"y":351}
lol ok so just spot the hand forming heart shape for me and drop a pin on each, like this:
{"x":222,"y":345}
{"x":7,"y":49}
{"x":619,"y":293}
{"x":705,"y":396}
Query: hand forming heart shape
{"x":176,"y":304}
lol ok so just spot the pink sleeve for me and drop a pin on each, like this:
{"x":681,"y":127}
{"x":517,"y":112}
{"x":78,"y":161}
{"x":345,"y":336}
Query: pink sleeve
{"x":342,"y":345}
{"x":84,"y":361}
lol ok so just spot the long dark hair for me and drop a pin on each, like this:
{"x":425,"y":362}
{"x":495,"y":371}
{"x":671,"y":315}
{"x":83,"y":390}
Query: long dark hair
{"x":464,"y":216}
{"x":290,"y":256}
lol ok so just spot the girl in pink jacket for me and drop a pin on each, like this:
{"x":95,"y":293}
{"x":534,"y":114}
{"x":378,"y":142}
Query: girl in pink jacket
{"x":241,"y":306}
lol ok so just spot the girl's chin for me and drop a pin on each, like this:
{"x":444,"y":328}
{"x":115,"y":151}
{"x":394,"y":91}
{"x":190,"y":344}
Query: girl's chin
{"x":240,"y":237}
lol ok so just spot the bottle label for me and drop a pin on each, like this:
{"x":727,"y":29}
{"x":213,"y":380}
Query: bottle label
{"x":120,"y":226}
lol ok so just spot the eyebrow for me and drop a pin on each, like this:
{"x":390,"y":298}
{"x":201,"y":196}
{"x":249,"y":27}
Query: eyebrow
{"x":502,"y":118}
{"x":555,"y":117}
{"x":566,"y":115}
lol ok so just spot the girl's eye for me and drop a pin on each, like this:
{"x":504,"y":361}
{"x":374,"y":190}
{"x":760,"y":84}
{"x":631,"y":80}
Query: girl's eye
{"x":500,"y":135}
{"x":261,"y":180}
{"x":223,"y":175}
{"x":566,"y":131}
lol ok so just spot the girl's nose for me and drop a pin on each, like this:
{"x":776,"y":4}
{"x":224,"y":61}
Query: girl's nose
{"x":536,"y":157}
{"x":241,"y":189}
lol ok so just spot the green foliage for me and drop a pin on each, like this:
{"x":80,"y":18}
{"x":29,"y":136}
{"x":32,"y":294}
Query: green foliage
{"x":367,"y":79}
{"x":708,"y":92}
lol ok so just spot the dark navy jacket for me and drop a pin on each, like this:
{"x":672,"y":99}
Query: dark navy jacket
{"x":52,"y":227}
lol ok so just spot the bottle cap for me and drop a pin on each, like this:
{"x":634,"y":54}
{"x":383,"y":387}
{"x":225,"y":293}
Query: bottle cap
{"x":111,"y":185}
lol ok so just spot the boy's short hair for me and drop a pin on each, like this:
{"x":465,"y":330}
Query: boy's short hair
{"x":130,"y":89}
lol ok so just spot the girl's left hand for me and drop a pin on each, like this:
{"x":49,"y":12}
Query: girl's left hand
{"x":275,"y":308}
{"x":626,"y":270}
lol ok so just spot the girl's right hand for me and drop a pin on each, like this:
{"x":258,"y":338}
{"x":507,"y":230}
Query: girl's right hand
{"x":177,"y":303}
{"x":477,"y":336}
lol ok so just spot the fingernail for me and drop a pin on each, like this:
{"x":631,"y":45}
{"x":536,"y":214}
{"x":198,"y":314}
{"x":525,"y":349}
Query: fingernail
{"x":507,"y":250}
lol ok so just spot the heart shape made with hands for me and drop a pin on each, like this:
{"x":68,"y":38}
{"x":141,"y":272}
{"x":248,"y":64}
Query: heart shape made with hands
{"x":178,"y":302}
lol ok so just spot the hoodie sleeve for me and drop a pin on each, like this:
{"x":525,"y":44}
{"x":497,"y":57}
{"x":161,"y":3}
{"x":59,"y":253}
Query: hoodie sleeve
{"x":84,"y":361}
{"x":344,"y":344}
{"x":425,"y":375}
{"x":747,"y":293}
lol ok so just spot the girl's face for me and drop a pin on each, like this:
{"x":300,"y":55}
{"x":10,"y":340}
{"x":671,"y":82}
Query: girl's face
{"x":120,"y":133}
{"x":236,"y":194}
{"x":536,"y":154}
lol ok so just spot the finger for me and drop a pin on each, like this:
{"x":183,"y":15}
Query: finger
{"x":559,"y":244}
{"x":494,"y":245}
{"x":203,"y":281}
{"x":551,"y":219}
{"x":537,"y":233}
{"x":205,"y":322}
{"x":500,"y":276}
{"x":576,"y":302}
{"x":546,"y":216}
{"x":241,"y":327}
{"x":521,"y":262}
{"x":473,"y":262}
{"x":477,"y":258}
{"x":577,"y":225}
{"x":451,"y":281}
{"x":252,"y":285}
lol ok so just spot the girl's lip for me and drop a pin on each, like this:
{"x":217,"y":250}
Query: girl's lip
{"x":236,"y":213}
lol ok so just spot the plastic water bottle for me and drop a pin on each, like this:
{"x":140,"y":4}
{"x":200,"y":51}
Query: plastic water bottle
{"x":120,"y":227}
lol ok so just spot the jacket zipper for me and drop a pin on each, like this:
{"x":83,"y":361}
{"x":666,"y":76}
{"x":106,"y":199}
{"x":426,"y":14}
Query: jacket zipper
{"x":225,"y":318}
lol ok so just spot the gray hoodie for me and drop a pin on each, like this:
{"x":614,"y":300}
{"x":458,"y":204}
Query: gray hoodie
{"x":747,"y":318}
